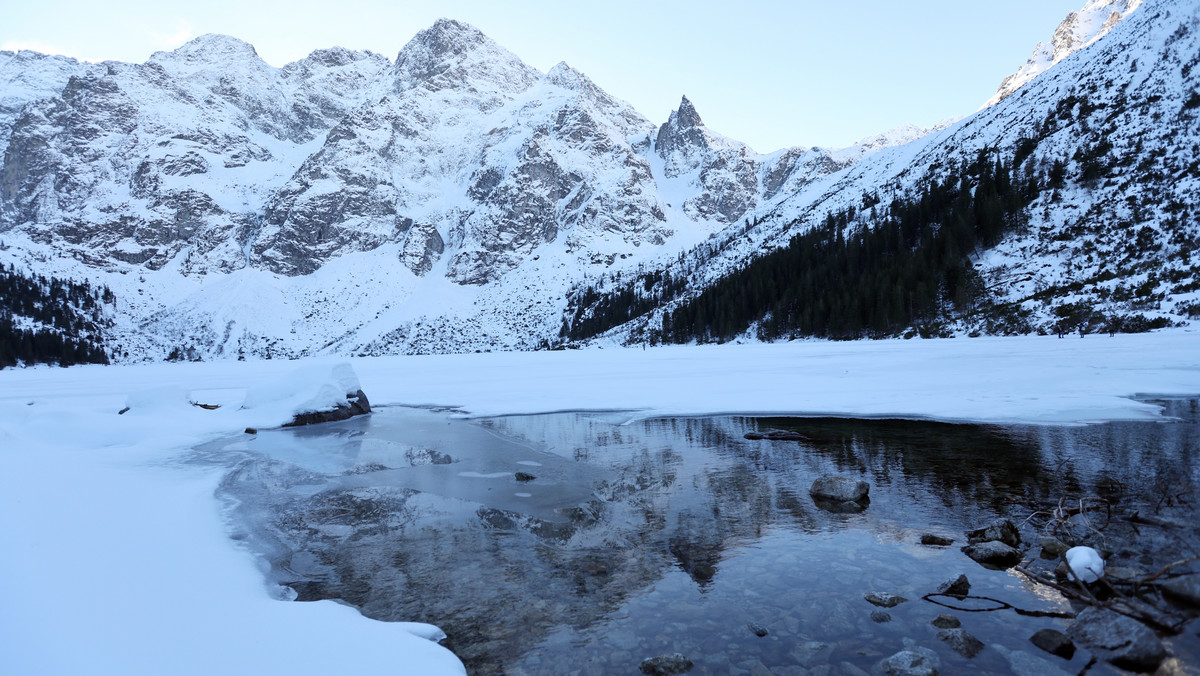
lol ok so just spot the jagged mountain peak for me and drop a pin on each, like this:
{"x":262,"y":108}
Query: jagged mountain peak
{"x":563,"y":75}
{"x":451,"y":52}
{"x":685,"y":116}
{"x":210,"y":49}
{"x":1078,"y":30}
{"x":449,"y":36}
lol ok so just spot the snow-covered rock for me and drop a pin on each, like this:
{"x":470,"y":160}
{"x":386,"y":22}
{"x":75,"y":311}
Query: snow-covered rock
{"x":312,"y":394}
{"x":1086,"y":564}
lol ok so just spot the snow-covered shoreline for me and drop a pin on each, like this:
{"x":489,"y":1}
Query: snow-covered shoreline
{"x":119,"y":562}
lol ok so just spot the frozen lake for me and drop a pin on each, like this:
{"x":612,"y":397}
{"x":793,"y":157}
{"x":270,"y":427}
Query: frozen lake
{"x":586,"y":542}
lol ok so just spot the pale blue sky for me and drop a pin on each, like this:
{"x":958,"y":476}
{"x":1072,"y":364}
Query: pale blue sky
{"x":772,"y":74}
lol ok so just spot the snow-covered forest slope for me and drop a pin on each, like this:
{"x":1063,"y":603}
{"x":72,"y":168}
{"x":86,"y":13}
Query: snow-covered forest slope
{"x":457,"y":199}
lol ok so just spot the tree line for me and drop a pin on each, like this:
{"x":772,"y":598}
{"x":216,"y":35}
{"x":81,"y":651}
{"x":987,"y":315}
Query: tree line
{"x":868,"y":270}
{"x":51,"y":321}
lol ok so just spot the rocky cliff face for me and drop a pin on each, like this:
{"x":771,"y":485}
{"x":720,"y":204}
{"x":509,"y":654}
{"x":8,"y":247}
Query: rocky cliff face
{"x":211,"y":159}
{"x":722,"y":173}
{"x":173,"y":158}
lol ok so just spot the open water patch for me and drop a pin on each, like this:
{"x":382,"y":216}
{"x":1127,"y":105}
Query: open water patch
{"x":574,"y":543}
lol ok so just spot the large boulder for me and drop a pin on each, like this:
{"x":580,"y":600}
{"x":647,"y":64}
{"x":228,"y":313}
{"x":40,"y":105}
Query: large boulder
{"x":999,"y":530}
{"x":1121,"y":640}
{"x":994,"y":553}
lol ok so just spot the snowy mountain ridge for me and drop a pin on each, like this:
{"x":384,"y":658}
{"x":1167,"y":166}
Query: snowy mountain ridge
{"x":1077,"y":31}
{"x":455,"y":199}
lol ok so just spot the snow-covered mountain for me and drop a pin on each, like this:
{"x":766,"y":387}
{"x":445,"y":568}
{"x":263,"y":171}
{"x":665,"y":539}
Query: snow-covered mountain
{"x":455,"y":198}
{"x":1077,"y":31}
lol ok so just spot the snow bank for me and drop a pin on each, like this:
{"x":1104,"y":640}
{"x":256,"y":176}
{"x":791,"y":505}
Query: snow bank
{"x":118,"y":560}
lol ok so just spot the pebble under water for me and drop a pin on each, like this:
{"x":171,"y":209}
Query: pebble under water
{"x":626,"y":540}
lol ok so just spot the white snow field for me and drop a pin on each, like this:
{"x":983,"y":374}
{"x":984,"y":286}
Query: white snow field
{"x":116,"y":555}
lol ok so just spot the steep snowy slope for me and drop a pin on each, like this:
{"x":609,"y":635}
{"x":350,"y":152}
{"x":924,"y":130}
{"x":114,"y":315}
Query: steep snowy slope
{"x":1111,"y":134}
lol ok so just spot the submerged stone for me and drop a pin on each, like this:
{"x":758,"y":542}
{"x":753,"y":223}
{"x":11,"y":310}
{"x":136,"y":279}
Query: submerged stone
{"x":665,"y":665}
{"x":909,"y":663}
{"x":961,"y":641}
{"x":884,"y":599}
{"x":946,"y":622}
{"x":936,"y":540}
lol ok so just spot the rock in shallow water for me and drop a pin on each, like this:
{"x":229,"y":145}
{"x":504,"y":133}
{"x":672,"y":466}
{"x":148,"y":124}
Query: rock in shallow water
{"x":1185,"y":589}
{"x":961,"y":641}
{"x":936,"y":540}
{"x":946,"y":622}
{"x":1054,"y":642}
{"x":1024,"y":664}
{"x":911,"y":662}
{"x":840,"y":488}
{"x":884,"y":599}
{"x":993,"y":553}
{"x":1000,"y":530}
{"x":959,"y":586}
{"x":1123,"y":641}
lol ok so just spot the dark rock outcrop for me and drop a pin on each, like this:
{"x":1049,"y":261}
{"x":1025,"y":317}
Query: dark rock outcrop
{"x":356,"y":404}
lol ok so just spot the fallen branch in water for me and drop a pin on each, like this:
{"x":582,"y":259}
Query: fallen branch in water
{"x":1129,"y":606}
{"x":1000,"y":605}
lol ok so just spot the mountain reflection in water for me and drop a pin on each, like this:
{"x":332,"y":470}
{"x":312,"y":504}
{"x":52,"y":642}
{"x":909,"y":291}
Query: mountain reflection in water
{"x":641,"y":538}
